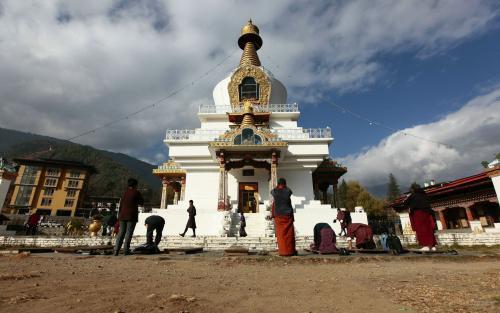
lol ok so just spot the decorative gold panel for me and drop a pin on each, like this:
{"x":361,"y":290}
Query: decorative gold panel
{"x":260,"y":77}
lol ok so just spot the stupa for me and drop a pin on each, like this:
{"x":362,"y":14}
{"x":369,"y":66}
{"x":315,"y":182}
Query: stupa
{"x":247,"y":139}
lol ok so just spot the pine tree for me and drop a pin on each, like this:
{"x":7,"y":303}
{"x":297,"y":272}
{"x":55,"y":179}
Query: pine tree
{"x":393,"y":191}
{"x":342,"y":194}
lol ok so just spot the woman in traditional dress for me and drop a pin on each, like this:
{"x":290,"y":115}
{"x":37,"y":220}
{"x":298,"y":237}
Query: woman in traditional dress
{"x":191,"y":223}
{"x":282,"y":213}
{"x":422,"y":218}
{"x":243,"y":224}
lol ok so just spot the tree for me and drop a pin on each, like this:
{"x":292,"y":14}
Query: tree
{"x":484,"y":164}
{"x":393,"y":191}
{"x":342,"y":194}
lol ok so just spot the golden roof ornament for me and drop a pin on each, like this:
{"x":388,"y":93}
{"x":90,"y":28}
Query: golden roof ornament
{"x":250,"y":42}
{"x":248,"y":118}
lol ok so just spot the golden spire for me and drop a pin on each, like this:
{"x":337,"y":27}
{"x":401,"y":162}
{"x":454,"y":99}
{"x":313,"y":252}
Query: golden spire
{"x":247,"y":114}
{"x":250,"y":42}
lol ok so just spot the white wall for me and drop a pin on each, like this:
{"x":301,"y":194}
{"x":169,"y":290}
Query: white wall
{"x":4,"y":188}
{"x":300,"y":182}
{"x":496,"y":184}
{"x":203,"y":188}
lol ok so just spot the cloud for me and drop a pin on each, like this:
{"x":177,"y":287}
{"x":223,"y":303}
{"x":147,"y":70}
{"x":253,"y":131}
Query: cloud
{"x":69,"y":66}
{"x":471,"y":135}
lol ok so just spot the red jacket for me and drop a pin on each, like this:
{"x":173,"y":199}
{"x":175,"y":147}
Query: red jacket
{"x":129,"y":206}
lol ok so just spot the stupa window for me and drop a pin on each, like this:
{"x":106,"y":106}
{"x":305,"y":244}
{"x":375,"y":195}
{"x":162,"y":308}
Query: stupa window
{"x":249,"y":89}
{"x":247,"y":137}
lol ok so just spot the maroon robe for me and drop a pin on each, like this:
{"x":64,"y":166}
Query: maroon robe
{"x":422,"y":218}
{"x":422,"y":222}
{"x":363,"y":234}
{"x":282,"y":212}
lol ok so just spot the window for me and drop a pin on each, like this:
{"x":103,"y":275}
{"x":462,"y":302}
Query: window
{"x":49,"y":192}
{"x":68,"y":203}
{"x":71,"y":193}
{"x":53,"y":172}
{"x":72,"y":183}
{"x":29,"y":175}
{"x":43,"y":211}
{"x":24,"y":195}
{"x":46,"y":202}
{"x":249,"y":89}
{"x":74,"y":174}
{"x":63,"y":213}
{"x":247,"y":137}
{"x":50,"y":182}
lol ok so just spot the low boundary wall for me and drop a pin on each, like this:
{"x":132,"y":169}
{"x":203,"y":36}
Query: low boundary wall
{"x":212,"y":243}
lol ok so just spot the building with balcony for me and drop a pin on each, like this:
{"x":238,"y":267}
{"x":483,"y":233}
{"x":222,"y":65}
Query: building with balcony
{"x":50,"y":187}
{"x":248,"y":138}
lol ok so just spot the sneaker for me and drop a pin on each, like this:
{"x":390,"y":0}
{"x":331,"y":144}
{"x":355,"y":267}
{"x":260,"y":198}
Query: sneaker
{"x":433,"y":249}
{"x":191,"y":236}
{"x":127,"y":253}
{"x":425,"y":249}
{"x":182,"y":235}
{"x":115,"y":253}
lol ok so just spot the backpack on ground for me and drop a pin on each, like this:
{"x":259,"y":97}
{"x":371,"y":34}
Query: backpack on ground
{"x":394,"y":244}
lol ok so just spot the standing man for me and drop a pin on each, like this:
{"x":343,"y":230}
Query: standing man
{"x":191,"y":223}
{"x":282,"y":212}
{"x":154,"y":223}
{"x":128,"y":215}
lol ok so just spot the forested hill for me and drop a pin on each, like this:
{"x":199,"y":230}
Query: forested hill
{"x":113,"y":168}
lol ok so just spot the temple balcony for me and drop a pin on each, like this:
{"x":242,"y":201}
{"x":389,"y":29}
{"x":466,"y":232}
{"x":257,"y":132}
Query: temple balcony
{"x":287,"y":134}
{"x":271,"y":108}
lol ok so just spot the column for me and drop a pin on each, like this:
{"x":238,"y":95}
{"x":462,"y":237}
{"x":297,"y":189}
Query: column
{"x":164,"y":182}
{"x":222,"y":198}
{"x":335,"y":201}
{"x":274,"y":170}
{"x":468,"y":213}
{"x":442,"y":219}
{"x":183,"y":187}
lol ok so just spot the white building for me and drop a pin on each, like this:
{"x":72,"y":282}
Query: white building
{"x":247,"y":139}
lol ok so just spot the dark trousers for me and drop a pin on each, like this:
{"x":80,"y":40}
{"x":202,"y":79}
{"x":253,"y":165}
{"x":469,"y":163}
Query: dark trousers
{"x":31,"y":230}
{"x":125,"y":233}
{"x":149,"y":233}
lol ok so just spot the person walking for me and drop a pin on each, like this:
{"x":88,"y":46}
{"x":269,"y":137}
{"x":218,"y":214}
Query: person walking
{"x":243,"y":224}
{"x":282,"y":213}
{"x":32,"y":224}
{"x":154,"y":223}
{"x":422,"y":218}
{"x":191,"y":223}
{"x":128,"y":215}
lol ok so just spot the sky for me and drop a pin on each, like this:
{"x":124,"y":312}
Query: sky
{"x":379,"y":73}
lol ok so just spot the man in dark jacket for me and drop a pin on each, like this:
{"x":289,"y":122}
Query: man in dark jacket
{"x":128,"y":215}
{"x":154,"y":223}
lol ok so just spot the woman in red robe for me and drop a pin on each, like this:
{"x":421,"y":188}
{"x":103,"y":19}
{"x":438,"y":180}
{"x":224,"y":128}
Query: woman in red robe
{"x":422,"y":218}
{"x":282,"y":213}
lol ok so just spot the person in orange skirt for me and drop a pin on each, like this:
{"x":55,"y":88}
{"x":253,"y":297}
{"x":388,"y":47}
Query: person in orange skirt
{"x":282,"y":213}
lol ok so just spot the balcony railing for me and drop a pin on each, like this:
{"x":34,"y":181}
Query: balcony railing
{"x":222,"y":109}
{"x":213,"y":135}
{"x":193,"y":134}
{"x":302,"y":133}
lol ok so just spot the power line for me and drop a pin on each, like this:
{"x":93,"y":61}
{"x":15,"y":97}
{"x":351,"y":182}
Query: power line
{"x":157,"y":102}
{"x":395,"y":130}
{"x":144,"y":108}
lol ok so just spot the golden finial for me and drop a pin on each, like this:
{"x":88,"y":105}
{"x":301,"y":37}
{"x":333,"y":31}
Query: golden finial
{"x":247,"y":114}
{"x":250,"y":42}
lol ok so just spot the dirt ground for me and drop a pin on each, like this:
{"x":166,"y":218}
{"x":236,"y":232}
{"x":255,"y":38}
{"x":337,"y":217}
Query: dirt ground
{"x":210,"y":282}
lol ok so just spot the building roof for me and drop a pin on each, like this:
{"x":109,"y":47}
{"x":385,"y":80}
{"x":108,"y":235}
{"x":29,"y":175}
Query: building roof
{"x":57,"y":163}
{"x":458,"y":186}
